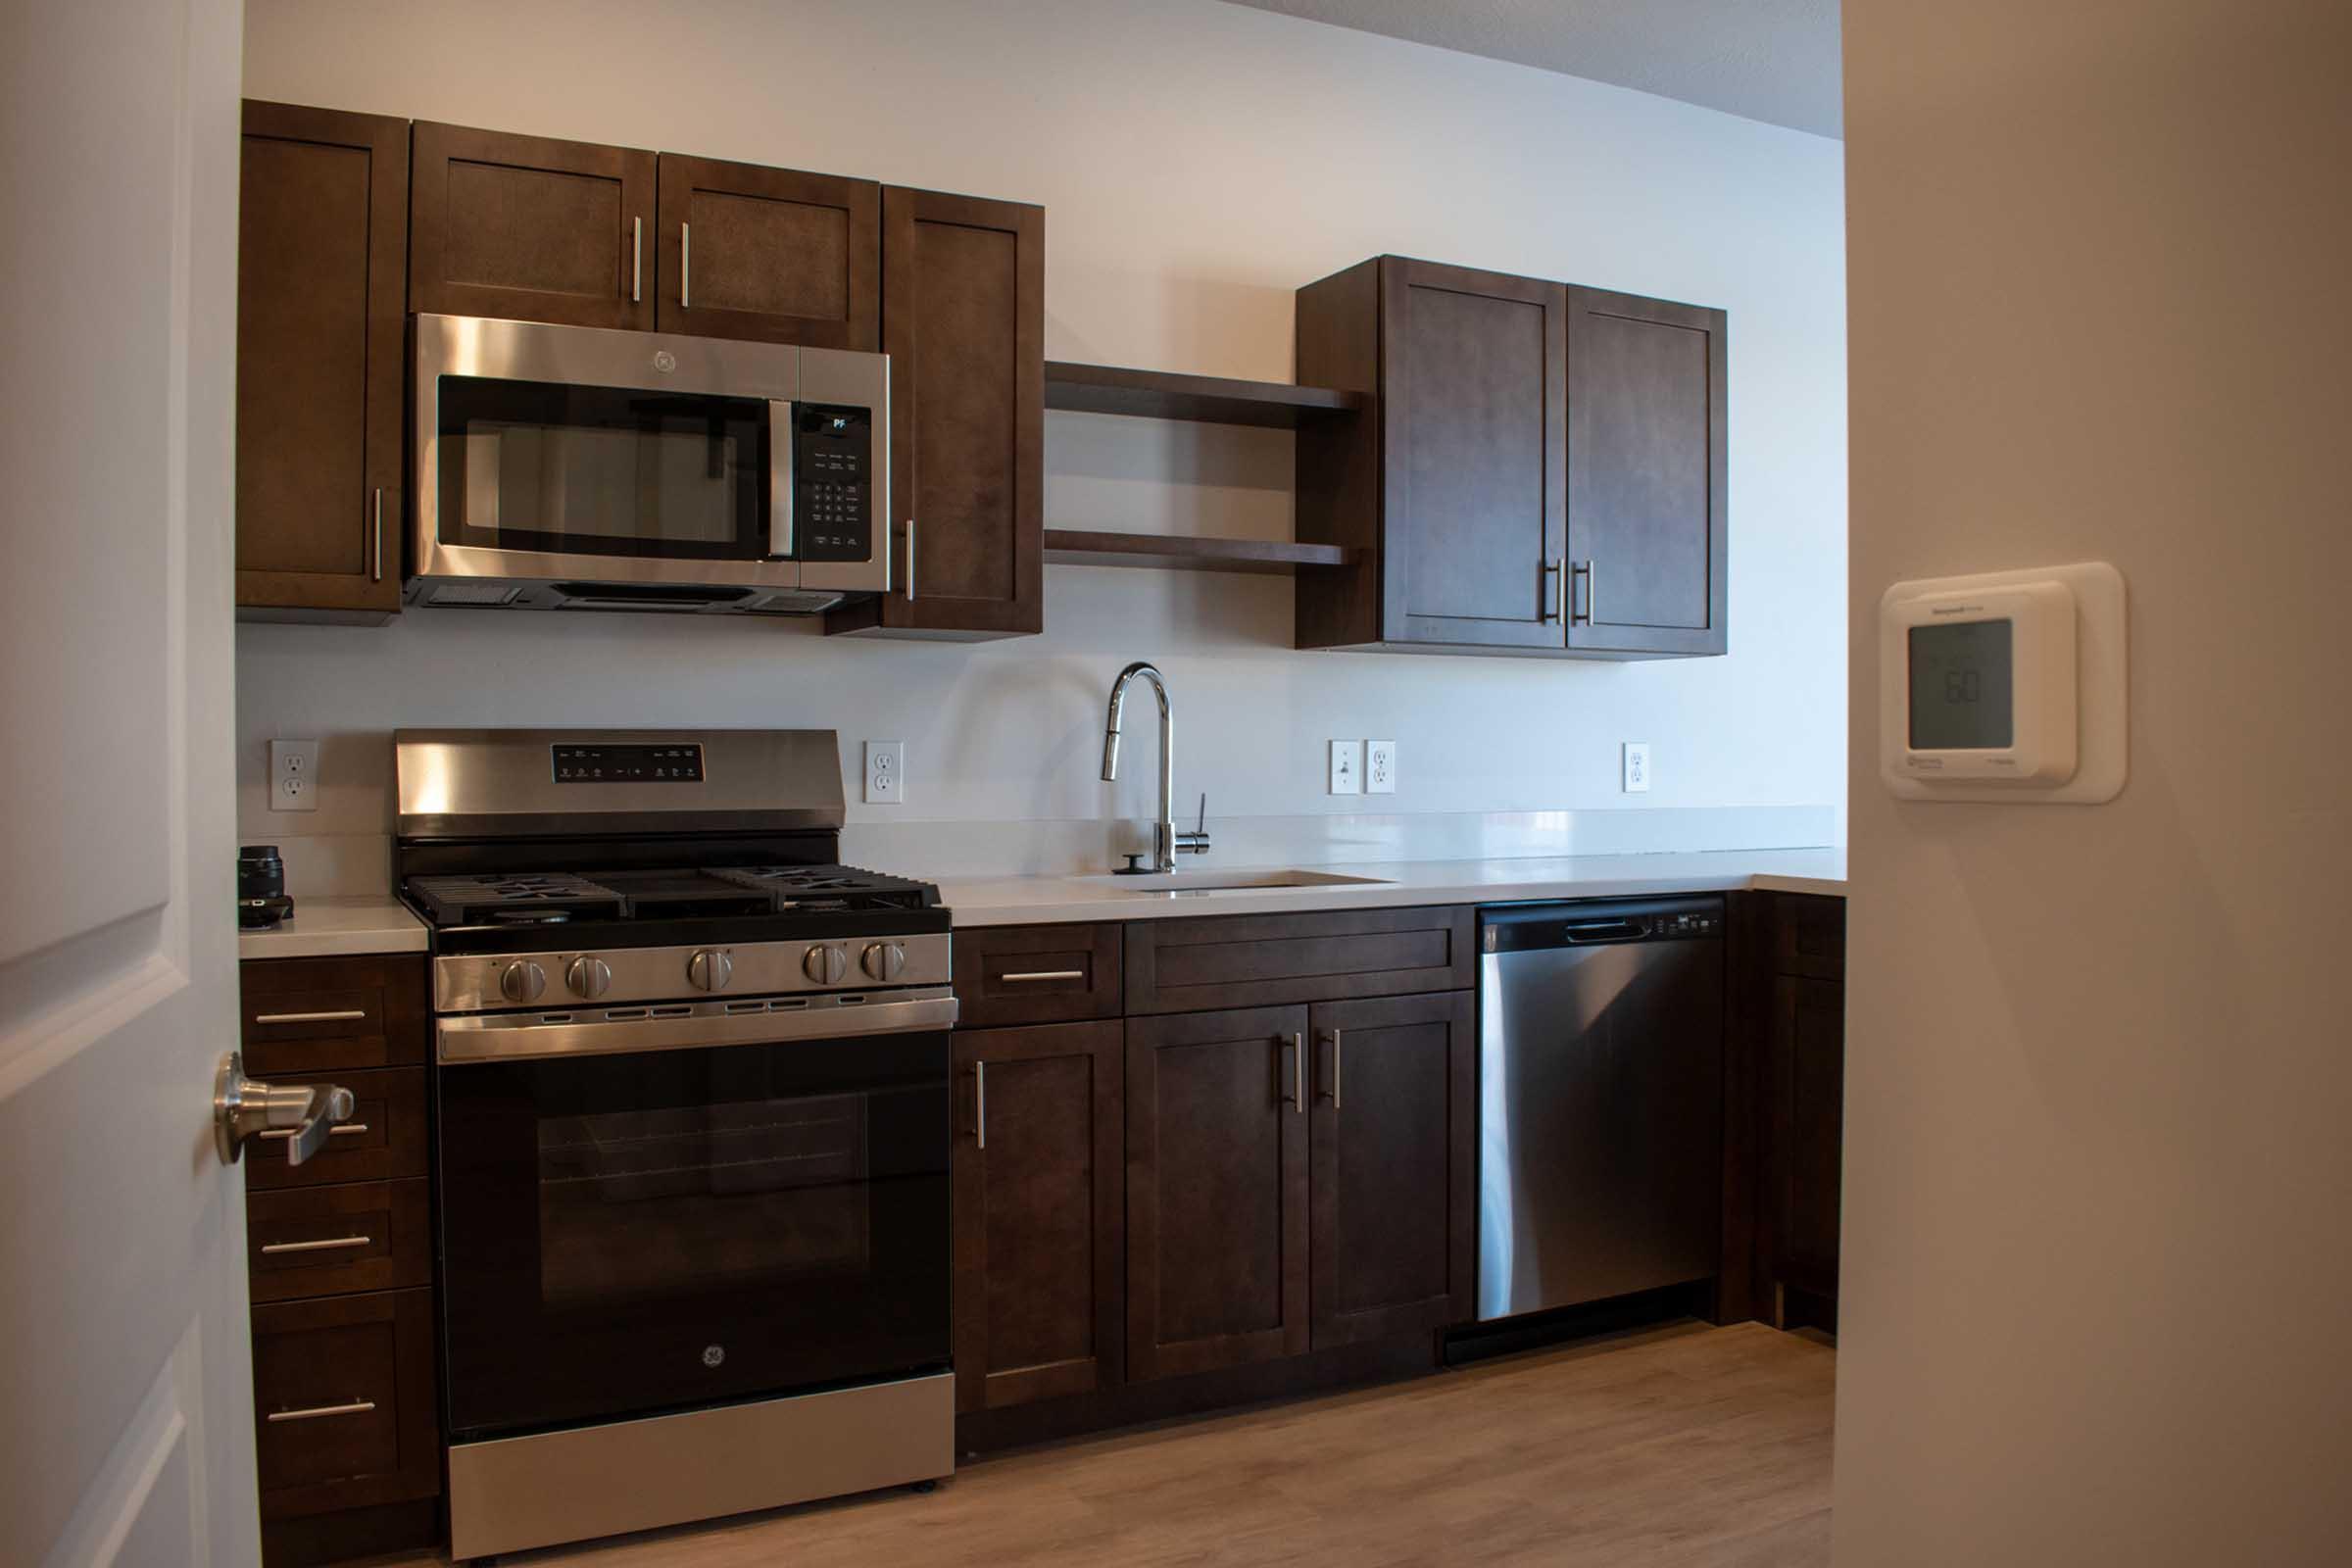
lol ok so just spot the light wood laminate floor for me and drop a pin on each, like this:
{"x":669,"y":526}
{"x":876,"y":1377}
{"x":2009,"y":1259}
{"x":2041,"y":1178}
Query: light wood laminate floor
{"x":1686,"y":1447}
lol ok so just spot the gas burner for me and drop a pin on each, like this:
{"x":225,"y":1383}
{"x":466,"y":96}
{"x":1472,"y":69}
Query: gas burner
{"x":536,"y":898}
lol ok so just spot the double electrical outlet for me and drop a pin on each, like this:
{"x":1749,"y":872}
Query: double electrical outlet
{"x":1363,"y":768}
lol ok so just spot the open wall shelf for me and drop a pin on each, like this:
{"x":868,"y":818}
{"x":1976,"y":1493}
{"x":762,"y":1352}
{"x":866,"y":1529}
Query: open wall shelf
{"x":1209,"y":399}
{"x":1185,"y":553}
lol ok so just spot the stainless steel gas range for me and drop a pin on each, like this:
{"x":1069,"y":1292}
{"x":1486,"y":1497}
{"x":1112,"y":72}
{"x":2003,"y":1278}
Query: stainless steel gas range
{"x":690,"y":1092}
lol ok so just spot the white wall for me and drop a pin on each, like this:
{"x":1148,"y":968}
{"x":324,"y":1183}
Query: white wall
{"x":2100,"y":1078}
{"x":1196,"y":163}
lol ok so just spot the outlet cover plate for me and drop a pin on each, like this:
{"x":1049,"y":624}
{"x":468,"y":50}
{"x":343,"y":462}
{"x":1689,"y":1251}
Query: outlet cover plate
{"x":1347,"y":767}
{"x":885,"y":772}
{"x":1636,"y":768}
{"x":293,"y":775}
{"x":1380,"y":767}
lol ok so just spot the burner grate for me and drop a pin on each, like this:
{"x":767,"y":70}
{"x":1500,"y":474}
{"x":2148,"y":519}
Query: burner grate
{"x":526,"y":898}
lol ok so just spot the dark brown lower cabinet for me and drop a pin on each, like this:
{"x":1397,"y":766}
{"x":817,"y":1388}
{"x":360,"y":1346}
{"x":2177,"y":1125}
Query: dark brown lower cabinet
{"x":343,"y":1394}
{"x":1807,"y":1089}
{"x":1393,"y":1166}
{"x":1039,"y":1298}
{"x":1216,"y":1189}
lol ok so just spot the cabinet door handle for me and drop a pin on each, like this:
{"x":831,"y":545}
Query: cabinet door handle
{"x":1335,"y":1070}
{"x":685,"y":267}
{"x":636,"y":260}
{"x":354,"y":1407}
{"x":338,"y":1016}
{"x":341,"y":1129}
{"x":1552,"y":591}
{"x":331,"y":1243}
{"x":376,"y":568}
{"x":1042,"y":974}
{"x":911,"y":559}
{"x":1592,"y":595}
{"x":1296,"y":1045}
{"x":980,"y":1102}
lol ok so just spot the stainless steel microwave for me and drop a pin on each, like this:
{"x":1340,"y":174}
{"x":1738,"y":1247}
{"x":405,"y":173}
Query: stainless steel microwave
{"x":573,"y":468}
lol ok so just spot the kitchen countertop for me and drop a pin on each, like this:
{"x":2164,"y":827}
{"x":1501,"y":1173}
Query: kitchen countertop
{"x":324,"y":927}
{"x":1047,"y":899}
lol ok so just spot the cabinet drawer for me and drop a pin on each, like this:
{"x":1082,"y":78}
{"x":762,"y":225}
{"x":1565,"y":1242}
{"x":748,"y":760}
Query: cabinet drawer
{"x":332,"y":1240}
{"x":1264,"y":960}
{"x":321,"y":1015}
{"x":382,"y":1138}
{"x":1808,"y":936}
{"x":1036,"y":974}
{"x":343,"y":1403}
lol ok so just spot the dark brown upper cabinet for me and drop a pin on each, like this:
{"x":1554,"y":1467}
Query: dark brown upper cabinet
{"x":1216,"y":1189}
{"x":1039,"y":1174}
{"x":963,"y":296}
{"x":531,"y":230}
{"x":1646,"y":545}
{"x":321,"y":258}
{"x":769,"y":254}
{"x":1534,"y":444}
{"x":1392,"y":1165}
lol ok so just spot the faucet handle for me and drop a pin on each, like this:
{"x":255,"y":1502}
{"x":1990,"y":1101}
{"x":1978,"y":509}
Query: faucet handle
{"x":1194,"y":842}
{"x":1202,"y":826}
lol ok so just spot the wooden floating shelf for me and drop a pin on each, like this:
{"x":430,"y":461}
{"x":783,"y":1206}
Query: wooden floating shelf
{"x":1078,"y":547}
{"x":1208,"y":398}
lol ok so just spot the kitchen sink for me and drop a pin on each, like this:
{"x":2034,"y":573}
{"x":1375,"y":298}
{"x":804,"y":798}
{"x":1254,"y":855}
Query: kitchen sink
{"x":1235,"y":881}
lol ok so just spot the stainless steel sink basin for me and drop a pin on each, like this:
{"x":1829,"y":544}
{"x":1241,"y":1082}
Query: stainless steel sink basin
{"x":1234,"y":881}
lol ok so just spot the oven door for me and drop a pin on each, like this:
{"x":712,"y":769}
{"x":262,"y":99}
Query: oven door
{"x":627,"y":1231}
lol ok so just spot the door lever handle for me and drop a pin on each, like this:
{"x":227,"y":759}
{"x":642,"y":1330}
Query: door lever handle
{"x":243,"y":1107}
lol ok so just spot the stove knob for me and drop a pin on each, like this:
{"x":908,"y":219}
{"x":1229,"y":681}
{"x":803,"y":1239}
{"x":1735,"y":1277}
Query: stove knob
{"x":589,"y":977}
{"x":826,"y":965}
{"x":884,"y":960}
{"x":710,"y":970}
{"x":521,"y":981}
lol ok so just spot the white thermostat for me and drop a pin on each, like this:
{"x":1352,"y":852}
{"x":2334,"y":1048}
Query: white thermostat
{"x":2007,"y":686}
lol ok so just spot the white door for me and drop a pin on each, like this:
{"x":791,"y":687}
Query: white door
{"x":125,"y":1382}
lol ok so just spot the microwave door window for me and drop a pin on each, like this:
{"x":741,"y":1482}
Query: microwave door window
{"x":604,"y":470}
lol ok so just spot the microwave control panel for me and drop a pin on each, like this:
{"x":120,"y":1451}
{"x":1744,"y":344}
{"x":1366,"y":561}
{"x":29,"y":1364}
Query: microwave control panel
{"x":832,"y":482}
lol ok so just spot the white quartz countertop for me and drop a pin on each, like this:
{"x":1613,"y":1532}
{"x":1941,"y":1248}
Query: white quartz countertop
{"x":1046,"y":899}
{"x":328,"y":927}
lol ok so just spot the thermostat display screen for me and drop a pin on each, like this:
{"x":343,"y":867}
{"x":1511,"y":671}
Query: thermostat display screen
{"x":1962,"y":680}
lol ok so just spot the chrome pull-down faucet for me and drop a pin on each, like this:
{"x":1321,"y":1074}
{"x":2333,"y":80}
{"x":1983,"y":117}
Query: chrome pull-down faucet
{"x":1166,"y":842}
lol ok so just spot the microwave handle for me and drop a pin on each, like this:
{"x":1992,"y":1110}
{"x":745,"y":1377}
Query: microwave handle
{"x":779,"y":480}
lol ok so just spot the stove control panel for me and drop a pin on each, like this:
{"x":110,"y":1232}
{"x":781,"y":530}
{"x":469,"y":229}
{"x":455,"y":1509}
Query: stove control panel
{"x":680,"y":762}
{"x":624,"y":977}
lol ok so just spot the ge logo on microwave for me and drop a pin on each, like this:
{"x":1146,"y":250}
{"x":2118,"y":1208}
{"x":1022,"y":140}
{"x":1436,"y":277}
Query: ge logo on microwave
{"x":712,"y":1355}
{"x":665,"y":361}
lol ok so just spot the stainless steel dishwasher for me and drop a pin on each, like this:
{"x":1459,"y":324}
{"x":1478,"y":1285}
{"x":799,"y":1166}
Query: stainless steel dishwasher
{"x":1601,"y":1100}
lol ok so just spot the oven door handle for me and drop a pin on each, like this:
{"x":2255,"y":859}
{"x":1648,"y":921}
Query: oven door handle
{"x":511,"y":1037}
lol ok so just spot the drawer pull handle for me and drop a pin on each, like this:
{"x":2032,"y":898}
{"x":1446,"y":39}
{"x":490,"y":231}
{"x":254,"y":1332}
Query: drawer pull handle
{"x":341,"y":1015}
{"x":330,"y":1243}
{"x":341,"y":1129}
{"x":355,"y":1407}
{"x":1044,"y":974}
{"x":980,"y":1094}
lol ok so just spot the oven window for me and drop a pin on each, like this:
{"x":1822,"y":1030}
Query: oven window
{"x":602,"y":470}
{"x":636,"y":1203}
{"x":629,"y":1233}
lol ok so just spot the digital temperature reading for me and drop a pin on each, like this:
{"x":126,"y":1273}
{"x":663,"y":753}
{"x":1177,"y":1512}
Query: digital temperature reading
{"x":1962,"y":681}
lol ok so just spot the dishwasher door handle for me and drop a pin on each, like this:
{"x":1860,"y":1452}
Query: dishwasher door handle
{"x":1580,"y":931}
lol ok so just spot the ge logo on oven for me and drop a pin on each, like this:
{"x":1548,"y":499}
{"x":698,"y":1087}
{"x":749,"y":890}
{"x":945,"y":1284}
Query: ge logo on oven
{"x":712,"y":1355}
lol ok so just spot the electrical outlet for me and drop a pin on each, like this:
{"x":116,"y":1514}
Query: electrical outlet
{"x":293,"y":775}
{"x":886,"y":773}
{"x":1347,"y":767}
{"x":1636,"y":768}
{"x":1380,"y":767}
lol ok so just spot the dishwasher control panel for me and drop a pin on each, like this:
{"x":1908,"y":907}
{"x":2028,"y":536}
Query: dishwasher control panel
{"x":1520,"y":928}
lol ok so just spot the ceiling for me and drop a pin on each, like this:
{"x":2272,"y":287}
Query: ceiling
{"x":1769,"y":59}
